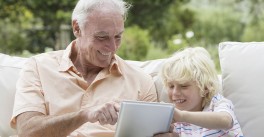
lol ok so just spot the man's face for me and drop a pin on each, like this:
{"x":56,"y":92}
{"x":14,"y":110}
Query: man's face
{"x":101,"y":37}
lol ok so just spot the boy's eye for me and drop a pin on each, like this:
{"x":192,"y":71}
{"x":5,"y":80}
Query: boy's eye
{"x":184,"y":86}
{"x":171,"y":86}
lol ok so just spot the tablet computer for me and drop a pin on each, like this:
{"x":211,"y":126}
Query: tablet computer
{"x":143,"y":119}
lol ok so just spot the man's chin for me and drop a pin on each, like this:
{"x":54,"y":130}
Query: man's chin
{"x":104,"y":64}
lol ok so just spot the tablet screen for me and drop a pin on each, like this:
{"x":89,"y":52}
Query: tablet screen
{"x":143,"y":119}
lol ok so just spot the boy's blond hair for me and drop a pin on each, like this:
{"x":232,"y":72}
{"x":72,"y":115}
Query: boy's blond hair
{"x":192,"y":64}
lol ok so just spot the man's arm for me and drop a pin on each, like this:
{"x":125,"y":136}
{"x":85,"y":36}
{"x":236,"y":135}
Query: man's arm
{"x":34,"y":124}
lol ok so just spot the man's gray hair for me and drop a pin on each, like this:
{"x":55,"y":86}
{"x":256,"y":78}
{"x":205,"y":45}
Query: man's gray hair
{"x":84,"y":7}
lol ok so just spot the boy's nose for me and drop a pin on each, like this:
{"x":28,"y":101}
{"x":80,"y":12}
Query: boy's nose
{"x":176,"y":91}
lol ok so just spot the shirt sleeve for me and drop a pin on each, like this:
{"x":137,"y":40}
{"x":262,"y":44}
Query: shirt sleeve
{"x":148,"y":92}
{"x":224,"y":105}
{"x":29,"y":95}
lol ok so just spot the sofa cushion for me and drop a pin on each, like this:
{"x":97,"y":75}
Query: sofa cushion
{"x":242,"y":67}
{"x":153,"y":67}
{"x":9,"y":71}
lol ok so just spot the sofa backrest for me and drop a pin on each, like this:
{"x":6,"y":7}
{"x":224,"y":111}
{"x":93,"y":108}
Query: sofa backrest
{"x":10,"y":67}
{"x":242,"y":66}
{"x":9,"y":71}
{"x":152,"y":67}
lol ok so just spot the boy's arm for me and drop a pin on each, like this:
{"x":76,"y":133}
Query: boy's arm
{"x":210,"y":120}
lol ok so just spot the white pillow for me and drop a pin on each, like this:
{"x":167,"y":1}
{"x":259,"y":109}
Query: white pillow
{"x":9,"y":71}
{"x":153,"y":67}
{"x":242,"y":67}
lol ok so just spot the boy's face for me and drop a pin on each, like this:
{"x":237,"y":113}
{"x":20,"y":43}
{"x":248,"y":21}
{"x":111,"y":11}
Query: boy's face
{"x":185,"y":96}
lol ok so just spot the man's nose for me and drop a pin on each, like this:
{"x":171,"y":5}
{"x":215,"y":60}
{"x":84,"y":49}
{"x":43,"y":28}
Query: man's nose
{"x":112,"y":45}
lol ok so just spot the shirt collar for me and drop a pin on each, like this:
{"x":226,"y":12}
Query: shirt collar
{"x":115,"y":66}
{"x":66,"y":63}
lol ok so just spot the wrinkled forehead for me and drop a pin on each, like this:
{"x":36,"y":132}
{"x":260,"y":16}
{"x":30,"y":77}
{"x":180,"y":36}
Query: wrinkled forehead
{"x":105,"y":7}
{"x":102,"y":20}
{"x":106,"y":14}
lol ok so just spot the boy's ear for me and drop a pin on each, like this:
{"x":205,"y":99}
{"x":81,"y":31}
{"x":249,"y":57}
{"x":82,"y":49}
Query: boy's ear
{"x":76,"y":28}
{"x":206,"y":91}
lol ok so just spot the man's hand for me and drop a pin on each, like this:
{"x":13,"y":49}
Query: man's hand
{"x":105,"y":114}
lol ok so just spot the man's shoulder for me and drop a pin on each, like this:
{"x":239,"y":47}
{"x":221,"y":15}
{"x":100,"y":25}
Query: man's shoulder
{"x":48,"y":56}
{"x":44,"y":60}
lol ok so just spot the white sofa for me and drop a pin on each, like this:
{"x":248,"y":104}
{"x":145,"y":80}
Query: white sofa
{"x":242,"y":67}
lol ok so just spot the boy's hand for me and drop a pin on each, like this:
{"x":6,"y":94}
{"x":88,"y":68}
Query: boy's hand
{"x":177,"y":116}
{"x":168,"y":134}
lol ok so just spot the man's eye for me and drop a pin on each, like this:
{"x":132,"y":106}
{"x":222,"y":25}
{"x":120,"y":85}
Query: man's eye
{"x":101,"y":37}
{"x":118,"y":37}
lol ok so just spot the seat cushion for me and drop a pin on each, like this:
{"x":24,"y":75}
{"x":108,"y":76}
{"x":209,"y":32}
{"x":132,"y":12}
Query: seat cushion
{"x":242,"y":67}
{"x":9,"y":71}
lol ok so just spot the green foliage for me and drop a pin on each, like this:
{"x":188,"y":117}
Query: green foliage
{"x":11,"y":9}
{"x":135,"y":44}
{"x":144,"y":13}
{"x":254,"y":32}
{"x":215,"y":26}
{"x":34,"y":25}
{"x":177,"y":21}
{"x":12,"y":40}
{"x":52,"y":14}
{"x":156,"y":53}
{"x":39,"y":21}
{"x":163,"y":18}
{"x":177,"y":42}
{"x":213,"y":50}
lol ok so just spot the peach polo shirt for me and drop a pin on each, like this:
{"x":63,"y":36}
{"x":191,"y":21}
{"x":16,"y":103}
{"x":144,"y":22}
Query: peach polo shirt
{"x":50,"y":84}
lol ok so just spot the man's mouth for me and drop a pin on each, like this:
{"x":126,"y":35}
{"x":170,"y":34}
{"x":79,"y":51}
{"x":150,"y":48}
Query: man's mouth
{"x":105,"y":53}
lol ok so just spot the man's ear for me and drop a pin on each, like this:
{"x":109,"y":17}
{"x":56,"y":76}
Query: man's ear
{"x":76,"y":29}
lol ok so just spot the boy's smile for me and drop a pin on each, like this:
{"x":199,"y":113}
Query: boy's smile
{"x":185,"y":96}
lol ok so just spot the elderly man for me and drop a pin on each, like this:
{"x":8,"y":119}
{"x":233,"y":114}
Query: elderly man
{"x":75,"y":92}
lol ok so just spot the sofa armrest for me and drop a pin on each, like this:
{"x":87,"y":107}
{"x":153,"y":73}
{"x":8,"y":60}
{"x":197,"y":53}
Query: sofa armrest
{"x":9,"y":72}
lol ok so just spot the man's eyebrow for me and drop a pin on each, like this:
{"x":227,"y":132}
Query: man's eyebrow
{"x":101,"y":33}
{"x":120,"y":33}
